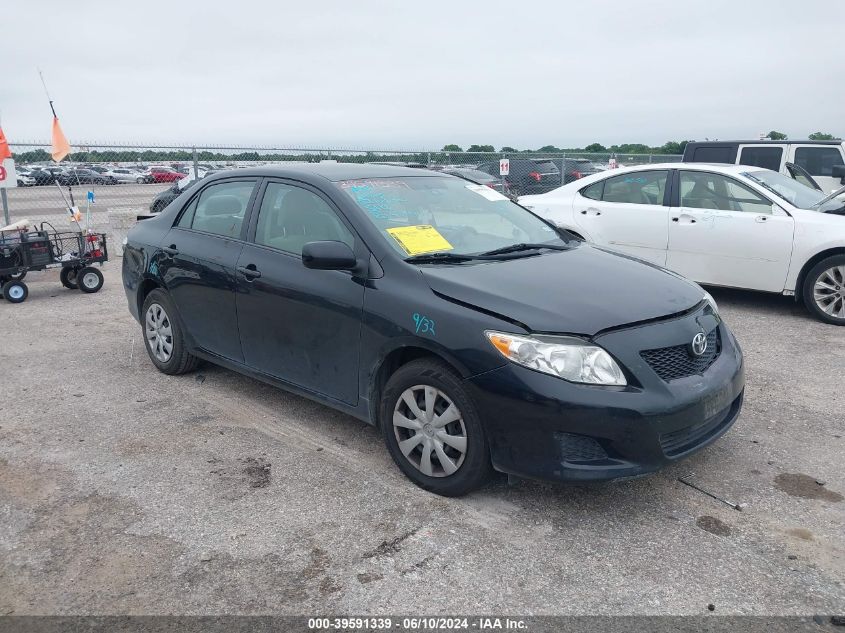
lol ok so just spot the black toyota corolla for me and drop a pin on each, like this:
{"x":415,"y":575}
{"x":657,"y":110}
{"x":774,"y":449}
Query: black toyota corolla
{"x":473,"y":334}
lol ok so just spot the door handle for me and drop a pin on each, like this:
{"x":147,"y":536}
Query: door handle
{"x":761,"y":218}
{"x":688,"y":219}
{"x":591,"y":211}
{"x":171,"y":250}
{"x":250,"y":272}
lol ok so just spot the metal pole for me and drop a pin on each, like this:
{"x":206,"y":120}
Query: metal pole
{"x":5,"y":207}
{"x":196,"y":168}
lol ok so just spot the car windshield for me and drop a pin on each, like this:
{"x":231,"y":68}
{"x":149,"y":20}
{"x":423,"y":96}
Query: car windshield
{"x":437,"y":214}
{"x":794,"y":192}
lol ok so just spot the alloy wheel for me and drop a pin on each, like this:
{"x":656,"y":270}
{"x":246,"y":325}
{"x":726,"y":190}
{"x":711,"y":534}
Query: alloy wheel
{"x":159,"y":332}
{"x":430,"y":431}
{"x":16,"y":292}
{"x":829,"y":292}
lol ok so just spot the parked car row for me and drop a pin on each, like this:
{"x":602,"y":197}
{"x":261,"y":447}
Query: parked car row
{"x":95,"y":175}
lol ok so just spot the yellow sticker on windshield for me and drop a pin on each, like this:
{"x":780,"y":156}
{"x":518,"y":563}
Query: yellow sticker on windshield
{"x":416,"y":240}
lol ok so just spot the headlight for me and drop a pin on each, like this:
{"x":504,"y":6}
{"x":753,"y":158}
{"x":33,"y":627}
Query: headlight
{"x":709,"y":299}
{"x":565,"y":357}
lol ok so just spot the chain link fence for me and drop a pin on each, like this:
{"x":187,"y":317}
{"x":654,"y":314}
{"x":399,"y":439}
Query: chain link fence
{"x":130,"y":180}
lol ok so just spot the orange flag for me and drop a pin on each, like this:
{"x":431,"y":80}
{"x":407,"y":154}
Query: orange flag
{"x":61,"y":147}
{"x":5,"y":152}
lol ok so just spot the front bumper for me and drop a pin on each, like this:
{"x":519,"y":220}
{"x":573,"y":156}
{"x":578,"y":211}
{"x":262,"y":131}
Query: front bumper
{"x":543,"y":427}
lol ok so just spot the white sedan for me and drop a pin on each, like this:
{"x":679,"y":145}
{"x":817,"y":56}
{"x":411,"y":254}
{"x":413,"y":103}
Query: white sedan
{"x":723,"y":225}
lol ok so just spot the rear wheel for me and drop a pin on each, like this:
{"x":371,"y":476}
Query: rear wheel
{"x":140,"y":181}
{"x":68,"y":277}
{"x":824,"y":290}
{"x":433,"y":431}
{"x":15,"y":291}
{"x":163,"y":335}
{"x":89,"y":279}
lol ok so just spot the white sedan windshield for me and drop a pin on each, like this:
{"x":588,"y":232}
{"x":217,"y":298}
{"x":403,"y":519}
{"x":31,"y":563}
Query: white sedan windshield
{"x":795,"y":193}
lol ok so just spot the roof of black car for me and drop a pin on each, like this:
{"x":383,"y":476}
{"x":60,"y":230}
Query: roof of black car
{"x":330,"y":171}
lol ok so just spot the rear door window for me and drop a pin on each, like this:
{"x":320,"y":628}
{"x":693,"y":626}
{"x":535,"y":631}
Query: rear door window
{"x":640,"y":187}
{"x":762,"y":156}
{"x":818,"y":161}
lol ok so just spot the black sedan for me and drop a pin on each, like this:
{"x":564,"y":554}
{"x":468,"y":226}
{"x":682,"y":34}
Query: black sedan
{"x":473,"y":334}
{"x":479,"y":177}
{"x":84,"y":177}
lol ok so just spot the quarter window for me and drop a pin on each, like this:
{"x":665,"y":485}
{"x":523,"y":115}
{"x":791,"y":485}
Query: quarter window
{"x":704,"y":190}
{"x":594,"y":191}
{"x":818,"y":161}
{"x":639,"y":187}
{"x":219,"y":209}
{"x":765,"y":157}
{"x":290,"y":217}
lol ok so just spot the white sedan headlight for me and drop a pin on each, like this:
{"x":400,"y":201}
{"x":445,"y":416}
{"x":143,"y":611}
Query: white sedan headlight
{"x":562,"y":356}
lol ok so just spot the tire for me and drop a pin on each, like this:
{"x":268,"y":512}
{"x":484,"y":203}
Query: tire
{"x":15,"y":291}
{"x":179,"y":361}
{"x":824,"y":290}
{"x":140,"y":181}
{"x":68,"y":277}
{"x":89,"y":280}
{"x":472,"y":467}
{"x":18,"y":276}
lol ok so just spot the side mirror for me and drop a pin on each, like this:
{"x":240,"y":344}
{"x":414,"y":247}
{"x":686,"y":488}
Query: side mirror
{"x":328,"y":255}
{"x":839,"y":172}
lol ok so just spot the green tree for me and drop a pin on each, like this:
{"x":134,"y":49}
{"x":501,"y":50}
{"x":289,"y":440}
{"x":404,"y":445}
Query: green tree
{"x":507,"y":148}
{"x":452,"y":148}
{"x":550,"y":149}
{"x":595,"y":148}
{"x":481,"y":148}
{"x":823,"y":136}
{"x":776,"y":136}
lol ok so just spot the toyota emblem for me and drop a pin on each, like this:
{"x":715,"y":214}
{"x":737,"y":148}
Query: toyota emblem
{"x":699,"y":344}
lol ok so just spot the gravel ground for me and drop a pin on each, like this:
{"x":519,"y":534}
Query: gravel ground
{"x":124,"y":491}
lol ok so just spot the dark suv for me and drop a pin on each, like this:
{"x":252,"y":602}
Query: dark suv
{"x":527,"y":175}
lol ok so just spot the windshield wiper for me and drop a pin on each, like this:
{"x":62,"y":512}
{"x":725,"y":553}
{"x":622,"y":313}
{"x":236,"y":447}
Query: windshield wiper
{"x":523,"y":246}
{"x":828,"y":198}
{"x":440,"y":258}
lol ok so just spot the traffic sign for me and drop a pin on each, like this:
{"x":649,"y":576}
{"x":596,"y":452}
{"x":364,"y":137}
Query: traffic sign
{"x":8,"y":175}
{"x":504,"y":166}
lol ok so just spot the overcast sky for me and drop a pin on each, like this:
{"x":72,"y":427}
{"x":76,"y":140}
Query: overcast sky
{"x":402,"y":75}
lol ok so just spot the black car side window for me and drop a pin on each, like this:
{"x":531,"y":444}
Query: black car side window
{"x":219,"y":209}
{"x":290,"y":217}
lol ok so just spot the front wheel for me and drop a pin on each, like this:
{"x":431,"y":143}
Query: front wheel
{"x":89,"y":279}
{"x":15,"y":291}
{"x":824,"y":290}
{"x":433,"y":431}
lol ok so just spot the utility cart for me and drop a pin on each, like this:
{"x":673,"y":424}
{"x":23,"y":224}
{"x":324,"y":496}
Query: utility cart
{"x":74,"y":252}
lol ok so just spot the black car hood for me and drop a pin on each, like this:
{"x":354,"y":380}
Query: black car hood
{"x":583,"y":290}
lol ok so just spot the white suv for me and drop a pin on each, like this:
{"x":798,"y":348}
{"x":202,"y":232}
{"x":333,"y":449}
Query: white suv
{"x":823,"y":160}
